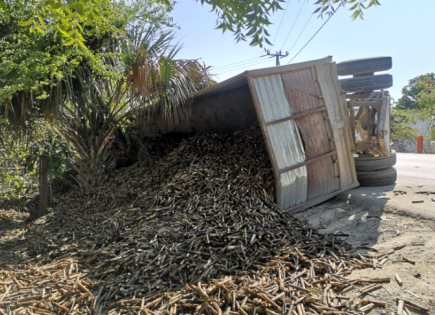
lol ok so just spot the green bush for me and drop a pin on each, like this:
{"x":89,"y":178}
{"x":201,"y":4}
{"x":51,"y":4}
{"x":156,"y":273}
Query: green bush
{"x":20,"y":149}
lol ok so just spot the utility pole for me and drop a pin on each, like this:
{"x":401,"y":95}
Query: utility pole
{"x":277,"y":55}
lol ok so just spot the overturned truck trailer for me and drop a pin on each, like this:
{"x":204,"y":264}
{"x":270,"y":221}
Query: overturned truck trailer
{"x":303,"y":115}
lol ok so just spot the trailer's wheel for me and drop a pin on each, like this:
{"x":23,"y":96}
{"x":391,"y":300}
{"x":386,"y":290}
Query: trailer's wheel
{"x":362,"y":66}
{"x":375,"y":163}
{"x":367,"y":83}
{"x":377,"y":178}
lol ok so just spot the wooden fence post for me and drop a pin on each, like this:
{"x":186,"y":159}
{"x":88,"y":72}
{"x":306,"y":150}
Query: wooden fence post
{"x":43,"y":184}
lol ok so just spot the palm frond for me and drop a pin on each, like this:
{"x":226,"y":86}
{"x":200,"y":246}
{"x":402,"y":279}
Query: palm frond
{"x":162,"y":83}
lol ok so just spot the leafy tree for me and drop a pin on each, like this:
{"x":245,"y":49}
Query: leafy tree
{"x":32,"y":63}
{"x":96,"y":107}
{"x":419,"y":98}
{"x":412,"y":93}
{"x":416,"y":104}
{"x":19,"y":152}
{"x":400,"y":122}
{"x":426,"y":100}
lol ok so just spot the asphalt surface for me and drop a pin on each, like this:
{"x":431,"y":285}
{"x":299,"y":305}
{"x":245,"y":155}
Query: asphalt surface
{"x":413,"y":194}
{"x":415,"y":169}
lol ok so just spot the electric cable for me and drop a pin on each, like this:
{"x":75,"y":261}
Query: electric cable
{"x":293,"y":25}
{"x":280,"y":22}
{"x":301,"y":32}
{"x":237,"y":62}
{"x":315,"y":34}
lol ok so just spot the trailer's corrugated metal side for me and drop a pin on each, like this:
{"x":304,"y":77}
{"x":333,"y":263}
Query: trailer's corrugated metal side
{"x":283,"y":139}
{"x":306,"y":129}
{"x":271,"y":95}
{"x":293,"y":188}
{"x":286,"y":144}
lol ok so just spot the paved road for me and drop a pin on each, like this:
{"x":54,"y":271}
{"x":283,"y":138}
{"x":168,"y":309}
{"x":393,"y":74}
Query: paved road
{"x":415,"y":176}
{"x":415,"y":169}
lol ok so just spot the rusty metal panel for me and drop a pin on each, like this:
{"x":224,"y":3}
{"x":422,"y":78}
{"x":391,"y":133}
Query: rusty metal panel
{"x":271,"y":97}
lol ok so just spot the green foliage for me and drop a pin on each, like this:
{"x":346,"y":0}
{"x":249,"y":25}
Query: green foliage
{"x":33,"y":60}
{"x":19,"y":152}
{"x":356,"y":7}
{"x":416,"y":103}
{"x":251,"y":18}
{"x":71,"y":21}
{"x":426,"y":102}
{"x":400,"y":122}
{"x":17,"y":169}
{"x":246,"y":18}
{"x":96,"y":107}
{"x":413,"y":93}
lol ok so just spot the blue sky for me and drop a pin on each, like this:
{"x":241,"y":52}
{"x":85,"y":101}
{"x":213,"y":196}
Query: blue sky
{"x":402,"y":29}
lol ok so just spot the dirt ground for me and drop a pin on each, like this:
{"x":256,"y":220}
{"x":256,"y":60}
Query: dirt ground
{"x":375,"y":226}
{"x":12,"y":241}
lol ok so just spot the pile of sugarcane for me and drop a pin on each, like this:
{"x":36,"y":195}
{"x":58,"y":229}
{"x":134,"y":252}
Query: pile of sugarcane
{"x":196,"y":231}
{"x":55,"y":288}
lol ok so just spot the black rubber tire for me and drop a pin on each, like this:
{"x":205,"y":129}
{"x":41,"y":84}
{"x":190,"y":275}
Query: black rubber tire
{"x":366,"y":164}
{"x":367,"y":65}
{"x":368,"y":83}
{"x":377,"y":178}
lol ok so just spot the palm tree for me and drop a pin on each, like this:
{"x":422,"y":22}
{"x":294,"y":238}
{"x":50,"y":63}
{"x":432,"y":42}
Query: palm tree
{"x":152,"y":81}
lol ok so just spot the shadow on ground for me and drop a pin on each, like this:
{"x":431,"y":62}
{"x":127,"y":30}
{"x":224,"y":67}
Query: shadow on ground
{"x":355,"y":214}
{"x":12,"y":231}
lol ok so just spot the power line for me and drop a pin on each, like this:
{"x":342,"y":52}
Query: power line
{"x":243,"y":67}
{"x":236,"y":63}
{"x":293,"y":25}
{"x":315,"y":34}
{"x":282,"y":19}
{"x":301,"y":32}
